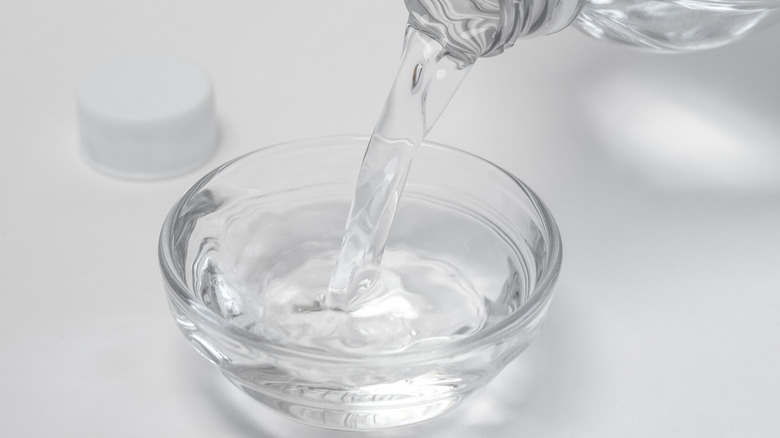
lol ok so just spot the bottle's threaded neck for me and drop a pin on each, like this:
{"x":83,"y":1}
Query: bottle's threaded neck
{"x":469,"y":29}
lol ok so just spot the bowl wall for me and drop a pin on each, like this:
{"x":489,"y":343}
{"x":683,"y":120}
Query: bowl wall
{"x":242,"y":221}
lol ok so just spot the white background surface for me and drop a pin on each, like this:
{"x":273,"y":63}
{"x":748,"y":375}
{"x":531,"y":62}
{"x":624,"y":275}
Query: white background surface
{"x":663,"y":173}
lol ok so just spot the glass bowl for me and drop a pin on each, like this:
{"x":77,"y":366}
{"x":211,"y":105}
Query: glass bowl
{"x":246,"y":255}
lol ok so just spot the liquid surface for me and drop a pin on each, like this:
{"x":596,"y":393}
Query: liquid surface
{"x":431,"y":287}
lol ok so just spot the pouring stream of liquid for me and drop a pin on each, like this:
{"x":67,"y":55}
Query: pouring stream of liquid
{"x":426,"y":81}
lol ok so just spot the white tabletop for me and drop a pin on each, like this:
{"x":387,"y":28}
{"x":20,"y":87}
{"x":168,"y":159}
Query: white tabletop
{"x":662,"y":171}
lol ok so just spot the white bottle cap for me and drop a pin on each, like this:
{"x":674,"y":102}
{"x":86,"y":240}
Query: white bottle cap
{"x":146,"y":116}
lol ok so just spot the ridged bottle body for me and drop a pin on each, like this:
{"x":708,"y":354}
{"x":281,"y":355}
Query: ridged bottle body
{"x":470,"y":29}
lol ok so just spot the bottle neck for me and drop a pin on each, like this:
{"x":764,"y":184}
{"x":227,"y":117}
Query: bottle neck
{"x":469,"y":29}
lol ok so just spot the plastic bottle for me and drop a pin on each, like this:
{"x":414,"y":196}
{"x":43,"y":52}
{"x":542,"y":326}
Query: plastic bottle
{"x":469,"y":29}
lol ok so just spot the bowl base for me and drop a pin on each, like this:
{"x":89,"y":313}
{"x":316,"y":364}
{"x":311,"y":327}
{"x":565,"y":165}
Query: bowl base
{"x":329,"y":414}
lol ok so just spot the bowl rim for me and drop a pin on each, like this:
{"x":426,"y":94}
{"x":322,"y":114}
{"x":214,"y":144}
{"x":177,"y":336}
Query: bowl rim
{"x":536,"y":303}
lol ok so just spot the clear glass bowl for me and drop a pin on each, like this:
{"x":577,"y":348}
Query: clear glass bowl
{"x":246,"y":255}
